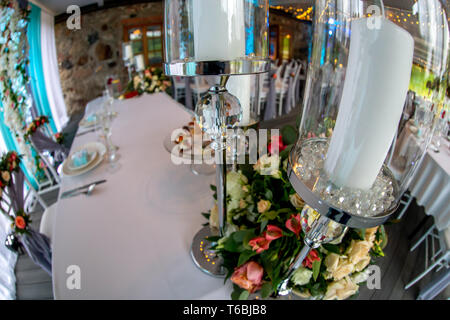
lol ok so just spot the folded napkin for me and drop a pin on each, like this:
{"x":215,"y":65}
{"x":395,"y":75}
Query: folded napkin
{"x":80,"y":158}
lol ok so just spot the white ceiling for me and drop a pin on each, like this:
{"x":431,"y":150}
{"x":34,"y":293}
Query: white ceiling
{"x":60,"y":6}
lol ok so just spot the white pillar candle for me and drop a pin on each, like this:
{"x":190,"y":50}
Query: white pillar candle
{"x":127,"y":51}
{"x":240,"y":87}
{"x":140,"y":63}
{"x":219,"y":29}
{"x":376,"y":84}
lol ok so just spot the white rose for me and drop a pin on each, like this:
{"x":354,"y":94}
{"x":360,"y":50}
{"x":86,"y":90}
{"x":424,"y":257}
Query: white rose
{"x":363,"y":263}
{"x":358,"y":250}
{"x":230,"y":228}
{"x":370,"y":234}
{"x":341,"y":289}
{"x":268,"y":166}
{"x":235,"y":182}
{"x":302,"y":276}
{"x":360,"y":276}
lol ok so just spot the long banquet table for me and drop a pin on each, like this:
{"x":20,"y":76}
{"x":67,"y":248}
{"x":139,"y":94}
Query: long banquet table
{"x":131,"y":238}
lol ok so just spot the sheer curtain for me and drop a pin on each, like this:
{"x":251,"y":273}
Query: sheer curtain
{"x":7,"y":258}
{"x":51,"y":72}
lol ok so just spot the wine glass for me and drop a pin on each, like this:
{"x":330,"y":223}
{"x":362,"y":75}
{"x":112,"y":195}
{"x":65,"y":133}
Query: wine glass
{"x":440,"y":130}
{"x":104,"y":132}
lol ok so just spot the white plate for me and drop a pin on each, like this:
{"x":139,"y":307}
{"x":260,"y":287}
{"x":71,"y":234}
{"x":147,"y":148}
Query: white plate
{"x":175,"y":149}
{"x":91,"y":157}
{"x":91,"y":147}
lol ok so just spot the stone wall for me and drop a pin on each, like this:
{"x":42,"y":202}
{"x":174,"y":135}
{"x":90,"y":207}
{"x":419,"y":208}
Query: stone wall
{"x":87,"y":56}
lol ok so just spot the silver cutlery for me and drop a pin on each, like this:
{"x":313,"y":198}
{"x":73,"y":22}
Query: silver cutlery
{"x":88,"y":192}
{"x":81,"y":189}
{"x":85,"y":132}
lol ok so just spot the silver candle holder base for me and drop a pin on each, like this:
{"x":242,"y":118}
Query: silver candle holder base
{"x":203,"y":256}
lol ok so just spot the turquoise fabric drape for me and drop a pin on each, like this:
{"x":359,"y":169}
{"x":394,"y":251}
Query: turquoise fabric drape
{"x":36,"y":71}
{"x":11,"y":145}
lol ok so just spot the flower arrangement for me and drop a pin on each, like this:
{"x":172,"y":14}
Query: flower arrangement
{"x":264,"y":233}
{"x":153,"y":80}
{"x":10,"y":163}
{"x":35,"y":124}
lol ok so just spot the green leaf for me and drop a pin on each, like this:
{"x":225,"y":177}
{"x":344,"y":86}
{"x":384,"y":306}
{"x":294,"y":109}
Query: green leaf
{"x":245,"y":256}
{"x":244,"y":295}
{"x":285,"y":153}
{"x":212,"y":238}
{"x":289,"y":134}
{"x":206,"y":215}
{"x":269,"y":194}
{"x":383,"y":237}
{"x":264,"y":223}
{"x":269,"y":215}
{"x":332,"y":248}
{"x":236,"y":293}
{"x":266,"y":290}
{"x":316,"y":269}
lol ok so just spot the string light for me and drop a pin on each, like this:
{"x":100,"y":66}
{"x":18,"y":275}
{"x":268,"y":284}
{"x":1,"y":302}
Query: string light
{"x":298,"y":13}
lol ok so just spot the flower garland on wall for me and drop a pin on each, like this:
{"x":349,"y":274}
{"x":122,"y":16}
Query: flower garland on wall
{"x":13,"y":74}
{"x":265,"y":230}
{"x":9,"y":163}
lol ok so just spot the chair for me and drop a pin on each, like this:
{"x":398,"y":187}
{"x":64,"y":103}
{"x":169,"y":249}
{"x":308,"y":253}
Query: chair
{"x":179,"y":88}
{"x":263,"y":87}
{"x":52,"y":180}
{"x":31,"y":198}
{"x":405,"y":201}
{"x":437,"y":256}
{"x":301,"y":78}
{"x":293,"y":84}
{"x":282,"y":86}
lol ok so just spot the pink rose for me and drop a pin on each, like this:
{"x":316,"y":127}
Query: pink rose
{"x":248,"y":276}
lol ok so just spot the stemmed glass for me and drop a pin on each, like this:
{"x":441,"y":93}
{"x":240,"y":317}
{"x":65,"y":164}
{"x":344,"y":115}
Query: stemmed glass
{"x":103,"y":129}
{"x":440,"y":130}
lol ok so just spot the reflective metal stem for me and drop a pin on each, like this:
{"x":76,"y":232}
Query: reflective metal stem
{"x":313,"y":239}
{"x":221,"y":183}
{"x":283,"y":288}
{"x":221,"y":171}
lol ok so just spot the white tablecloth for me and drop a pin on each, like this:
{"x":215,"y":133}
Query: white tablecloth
{"x":131,"y":238}
{"x":431,"y":185}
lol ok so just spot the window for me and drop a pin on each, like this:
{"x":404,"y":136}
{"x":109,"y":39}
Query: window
{"x":146,"y":37}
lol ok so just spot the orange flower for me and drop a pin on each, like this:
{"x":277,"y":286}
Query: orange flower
{"x":20,"y":222}
{"x":293,"y":224}
{"x":273,"y":232}
{"x":260,"y":244}
{"x":313,"y":256}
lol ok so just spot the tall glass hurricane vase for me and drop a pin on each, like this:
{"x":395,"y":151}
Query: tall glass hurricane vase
{"x":351,"y":164}
{"x":221,"y":38}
